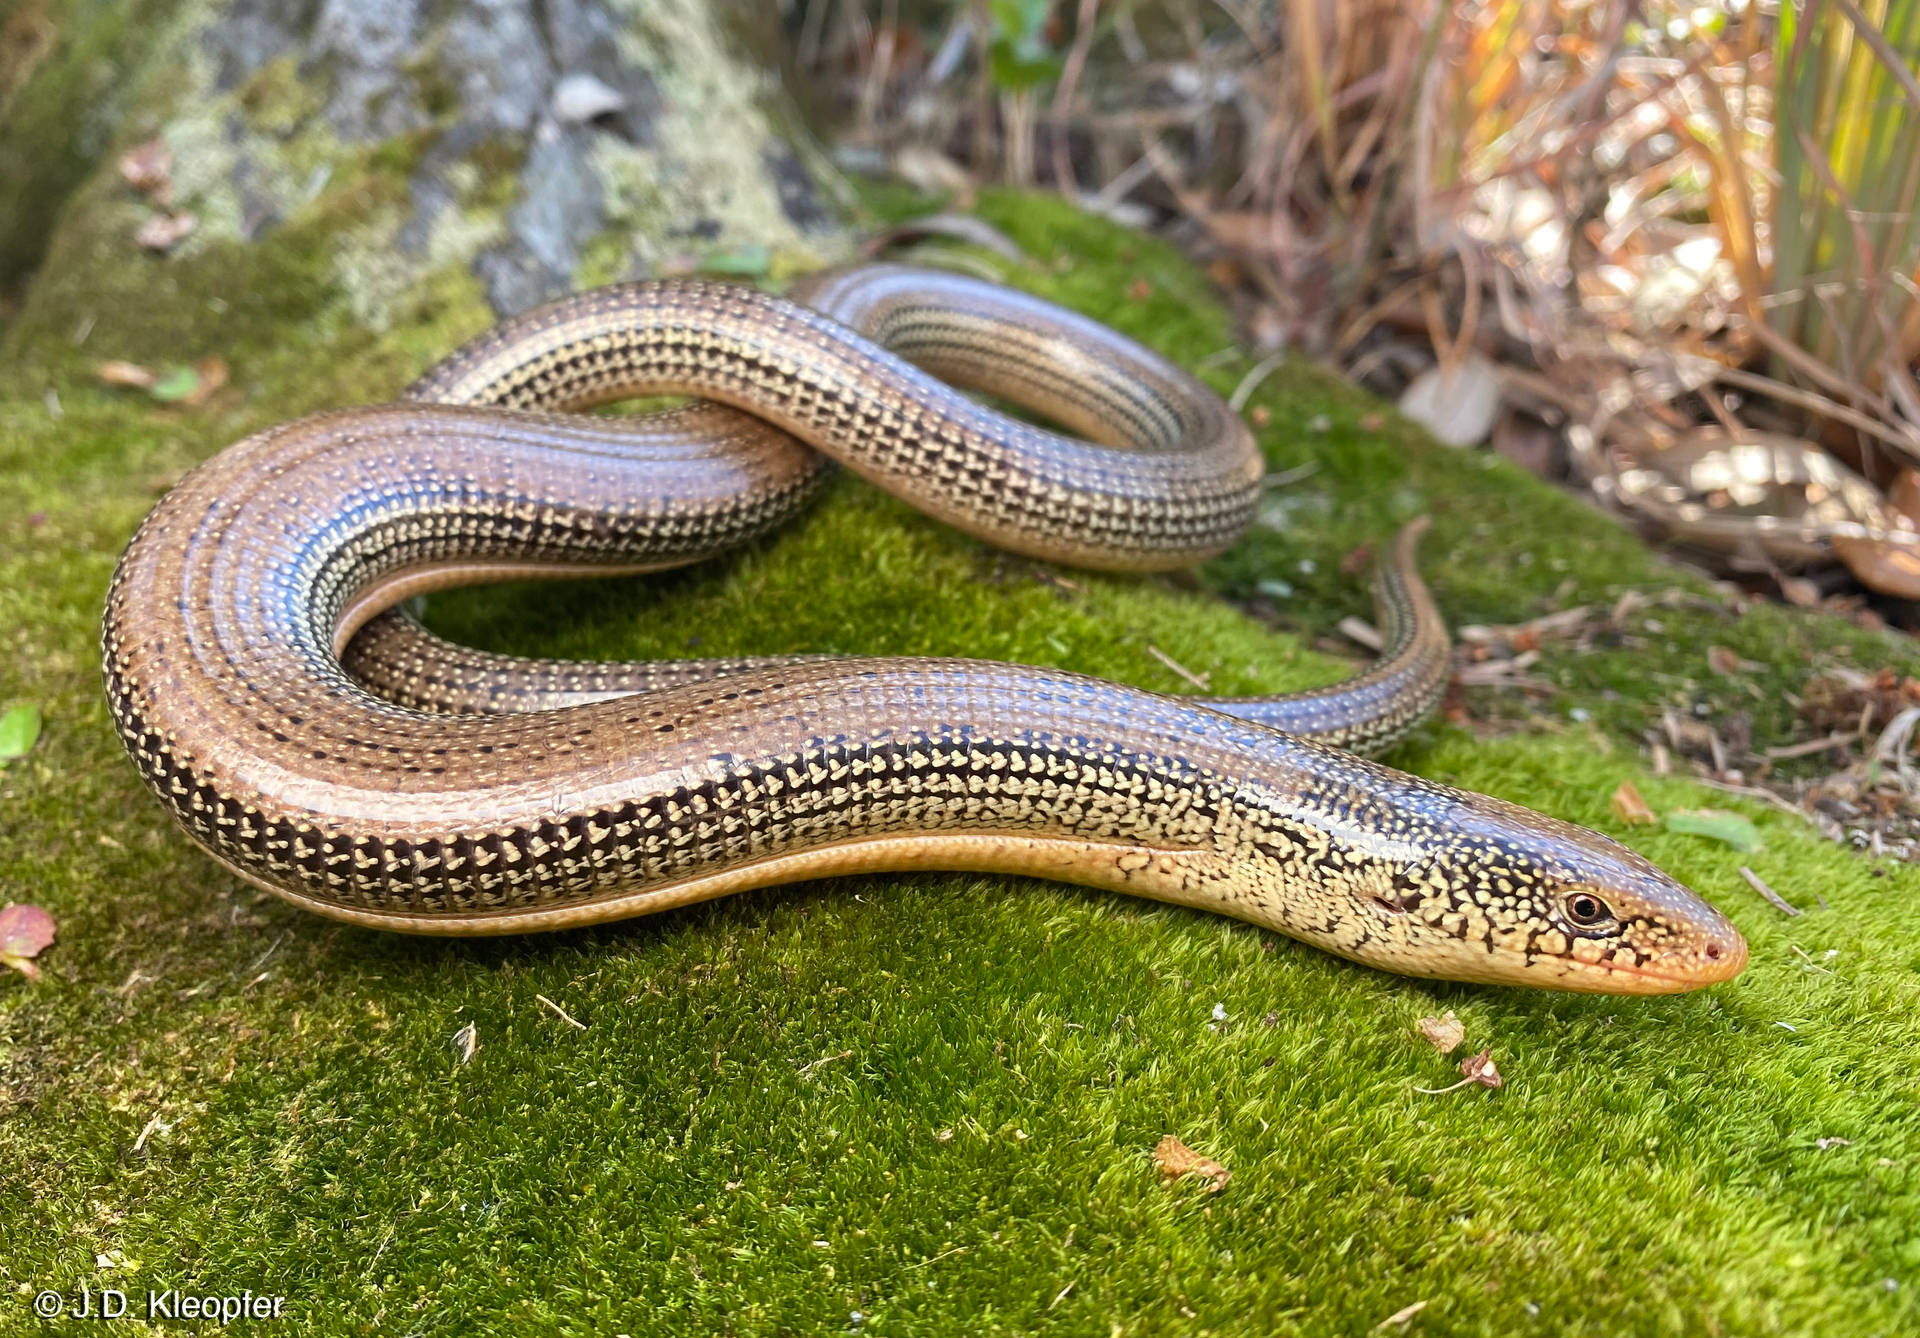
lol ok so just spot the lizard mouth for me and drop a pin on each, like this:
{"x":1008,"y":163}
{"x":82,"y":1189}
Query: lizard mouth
{"x":1720,"y":958}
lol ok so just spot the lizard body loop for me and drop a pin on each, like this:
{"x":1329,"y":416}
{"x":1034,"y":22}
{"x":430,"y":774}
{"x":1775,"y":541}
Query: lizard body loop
{"x":336,"y":753}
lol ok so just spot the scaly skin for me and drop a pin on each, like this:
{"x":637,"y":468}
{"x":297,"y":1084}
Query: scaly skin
{"x":476,"y":794}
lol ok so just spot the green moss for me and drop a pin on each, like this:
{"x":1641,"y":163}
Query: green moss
{"x":277,"y":101}
{"x":46,"y":150}
{"x":926,"y":1100}
{"x":606,"y":259}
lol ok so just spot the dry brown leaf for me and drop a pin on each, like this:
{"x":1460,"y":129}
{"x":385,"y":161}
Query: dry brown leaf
{"x":212,"y":374}
{"x":1174,"y":1159}
{"x":933,"y":173}
{"x":163,"y":232}
{"x":1630,"y":808}
{"x":1444,"y":1032}
{"x":1226,"y":274}
{"x":1249,"y":231}
{"x":1476,"y":1068}
{"x":1798,"y":590}
{"x":1139,"y":290}
{"x":1479,"y":1068}
{"x":1891,"y":569}
{"x":25,"y":933}
{"x":117,"y":373}
{"x":1722,"y":661}
{"x":1527,"y":442}
{"x":148,"y":168}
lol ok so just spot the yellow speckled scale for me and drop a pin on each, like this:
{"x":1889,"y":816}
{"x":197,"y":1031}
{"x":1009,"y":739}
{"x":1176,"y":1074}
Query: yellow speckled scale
{"x":391,"y":779}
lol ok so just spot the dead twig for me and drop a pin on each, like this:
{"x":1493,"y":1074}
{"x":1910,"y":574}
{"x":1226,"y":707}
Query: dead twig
{"x":1198,"y":680}
{"x":562,"y":1013}
{"x":807,"y":1070}
{"x":1773,"y":898}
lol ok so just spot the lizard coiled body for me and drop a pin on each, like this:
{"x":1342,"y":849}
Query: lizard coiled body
{"x":438,"y":790}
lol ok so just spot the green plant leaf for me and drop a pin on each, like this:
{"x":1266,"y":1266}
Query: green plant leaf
{"x":1019,"y":55}
{"x":1729,"y":828}
{"x":175,"y":384}
{"x":747,"y":262}
{"x":19,"y":727}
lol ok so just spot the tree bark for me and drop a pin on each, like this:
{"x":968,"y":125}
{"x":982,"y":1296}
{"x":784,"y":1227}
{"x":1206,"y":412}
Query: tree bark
{"x":534,"y":145}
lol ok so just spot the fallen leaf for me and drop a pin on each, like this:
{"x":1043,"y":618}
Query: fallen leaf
{"x":1174,"y":1159}
{"x":1480,"y":1068}
{"x":931,"y":172}
{"x":1226,"y":274}
{"x":1798,"y":590}
{"x":1904,"y":495}
{"x":117,"y":373}
{"x":213,"y":373}
{"x":1527,"y":442}
{"x":1248,"y":231}
{"x":1630,"y":808}
{"x":163,"y":232}
{"x":19,"y":727}
{"x":190,"y":387}
{"x":1718,"y":825}
{"x":1476,"y":1069}
{"x":1444,"y":1032}
{"x":18,"y":730}
{"x":1888,"y":567}
{"x":175,"y":385}
{"x":148,"y":168}
{"x":1403,"y":1316}
{"x":1457,"y":406}
{"x":1722,"y":661}
{"x":1139,"y":290}
{"x":25,"y":932}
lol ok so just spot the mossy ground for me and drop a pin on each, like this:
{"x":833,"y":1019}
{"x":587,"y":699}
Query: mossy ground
{"x":922,"y":1105}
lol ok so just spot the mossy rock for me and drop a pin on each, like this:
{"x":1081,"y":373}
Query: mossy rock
{"x":912,"y":1105}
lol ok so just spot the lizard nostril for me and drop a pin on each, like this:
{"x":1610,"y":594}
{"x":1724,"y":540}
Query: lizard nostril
{"x":1714,"y":951}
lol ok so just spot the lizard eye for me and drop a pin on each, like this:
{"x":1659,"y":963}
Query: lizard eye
{"x":1583,"y":908}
